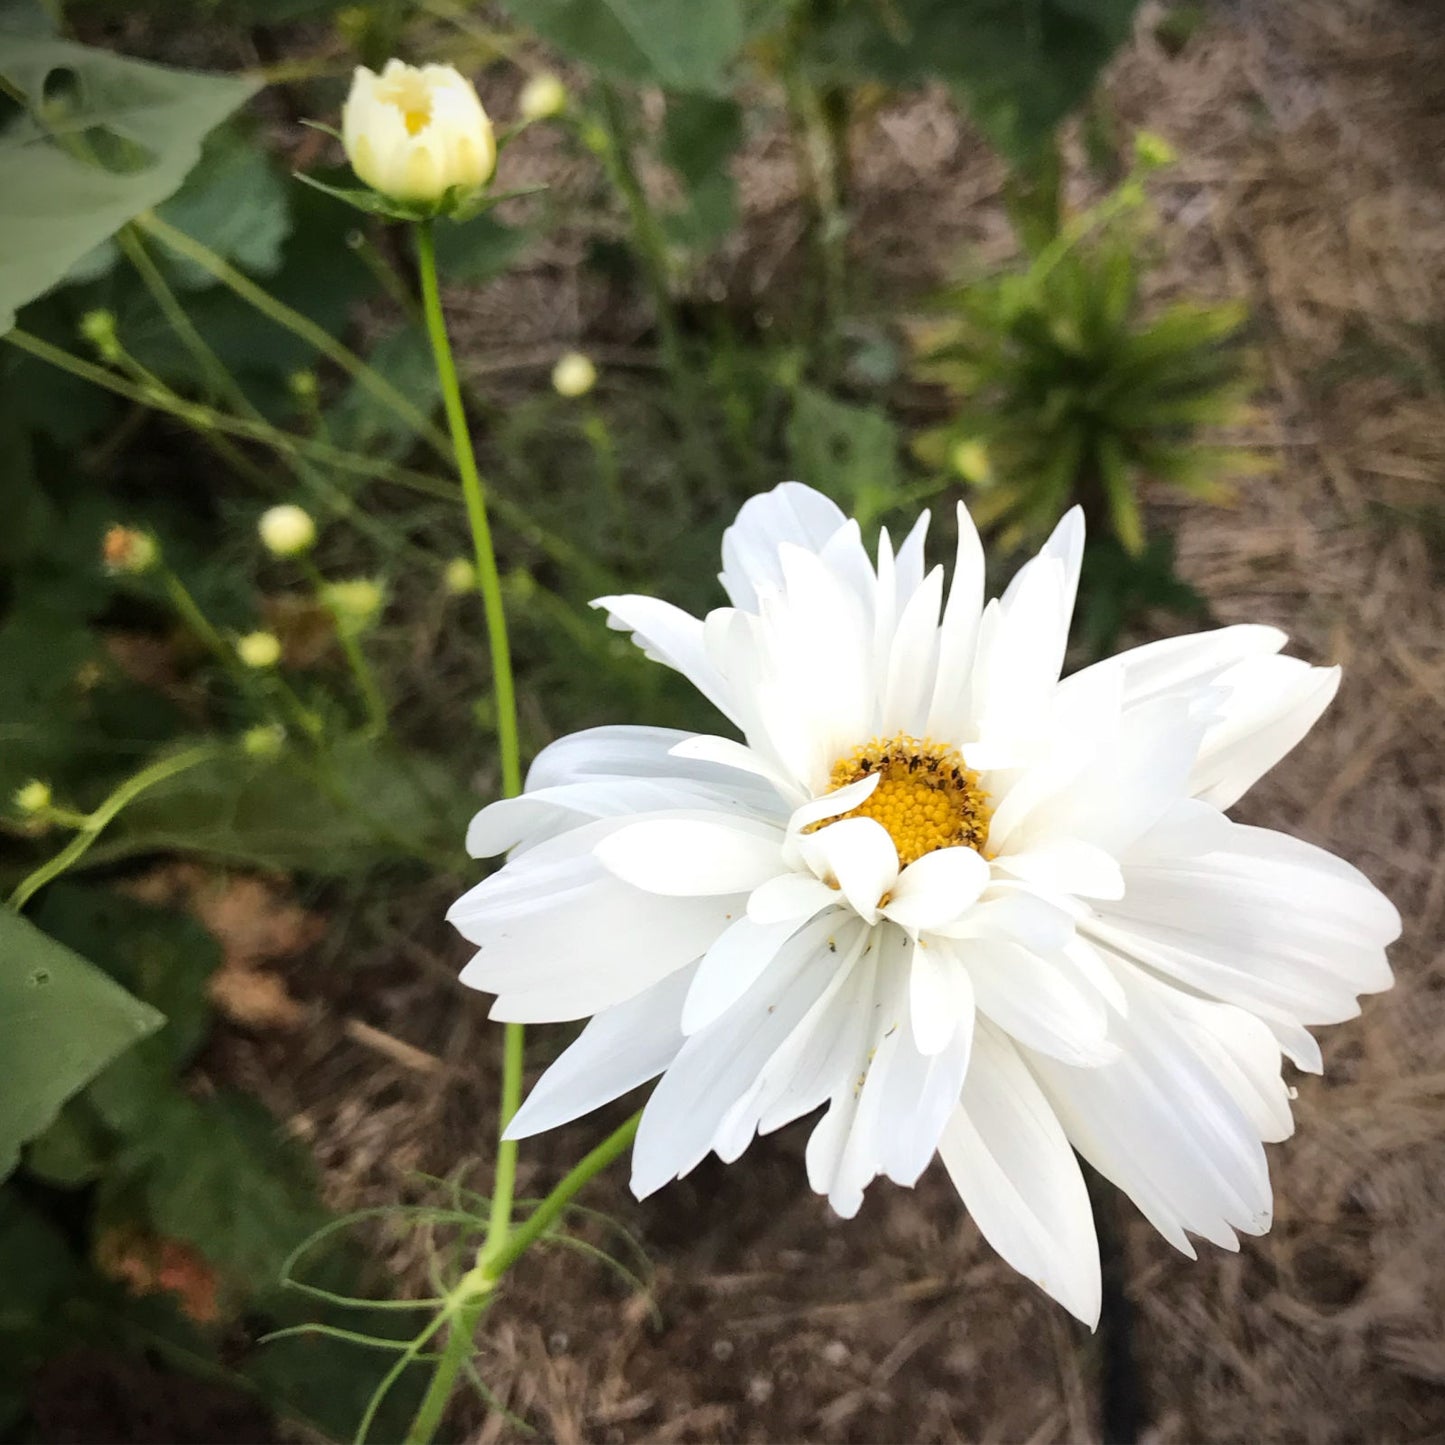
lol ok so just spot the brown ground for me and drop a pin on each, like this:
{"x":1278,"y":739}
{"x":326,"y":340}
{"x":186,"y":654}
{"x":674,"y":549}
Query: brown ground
{"x":1312,"y":134}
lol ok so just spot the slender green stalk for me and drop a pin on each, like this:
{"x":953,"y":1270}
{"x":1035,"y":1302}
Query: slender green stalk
{"x":295,"y":322}
{"x":473,"y":1293}
{"x":203,"y":418}
{"x":488,"y":578}
{"x":95,"y":823}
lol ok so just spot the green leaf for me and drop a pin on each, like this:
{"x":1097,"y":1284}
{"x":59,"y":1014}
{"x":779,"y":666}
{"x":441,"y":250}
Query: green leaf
{"x":1022,"y":65}
{"x":235,"y":203}
{"x":479,"y":249}
{"x":218,"y":1173}
{"x":846,"y":450}
{"x":681,"y":44}
{"x":374,"y":804}
{"x":61,"y":1021}
{"x":62,"y":199}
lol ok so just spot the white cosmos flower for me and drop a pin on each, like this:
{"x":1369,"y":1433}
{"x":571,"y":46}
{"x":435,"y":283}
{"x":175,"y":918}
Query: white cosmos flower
{"x":970,"y":908}
{"x":414,"y":133}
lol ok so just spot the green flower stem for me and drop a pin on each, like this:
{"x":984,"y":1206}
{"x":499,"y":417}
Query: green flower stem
{"x":488,"y":578}
{"x":295,"y":322}
{"x":474,"y":1291}
{"x":203,"y":418}
{"x":95,"y":823}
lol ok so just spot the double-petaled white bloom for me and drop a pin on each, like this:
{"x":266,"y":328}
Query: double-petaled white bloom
{"x":414,"y":134}
{"x":965,"y":906}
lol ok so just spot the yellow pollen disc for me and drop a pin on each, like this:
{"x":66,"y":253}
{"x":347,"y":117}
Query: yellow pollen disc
{"x":926,"y":798}
{"x":417,"y":118}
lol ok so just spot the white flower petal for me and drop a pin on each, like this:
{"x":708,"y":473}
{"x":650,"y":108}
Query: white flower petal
{"x":790,"y":897}
{"x":1012,"y":1165}
{"x":938,"y":989}
{"x":948,"y":711}
{"x":672,"y":637}
{"x":1271,"y":703}
{"x":937,"y":888}
{"x":789,"y":513}
{"x":693,"y":856}
{"x":622,"y":1047}
{"x":1066,"y":865}
{"x":858,"y":855}
{"x":730,"y":967}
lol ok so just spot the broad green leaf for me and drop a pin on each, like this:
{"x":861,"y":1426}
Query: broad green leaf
{"x":1022,"y":65}
{"x":235,"y":203}
{"x":680,"y":44}
{"x":849,"y":451}
{"x":61,"y":1021}
{"x":109,"y":138}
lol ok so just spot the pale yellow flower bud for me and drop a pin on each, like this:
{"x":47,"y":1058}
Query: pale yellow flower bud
{"x":574,"y":375}
{"x":98,"y":328}
{"x":32,"y":798}
{"x":287,"y":530}
{"x":259,"y":649}
{"x":413,"y":134}
{"x":542,"y":97}
{"x":460,"y":576}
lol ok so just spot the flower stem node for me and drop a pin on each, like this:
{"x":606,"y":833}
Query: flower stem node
{"x":418,"y":137}
{"x":287,"y":530}
{"x":259,"y":649}
{"x":129,"y":551}
{"x":574,"y":375}
{"x":542,"y":97}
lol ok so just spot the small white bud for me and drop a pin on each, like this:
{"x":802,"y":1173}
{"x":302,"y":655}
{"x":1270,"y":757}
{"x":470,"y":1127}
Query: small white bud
{"x":413,"y":134}
{"x":574,"y":375}
{"x":32,"y":798}
{"x":287,"y":530}
{"x":354,"y":602}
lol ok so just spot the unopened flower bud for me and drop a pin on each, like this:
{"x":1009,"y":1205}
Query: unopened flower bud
{"x":413,"y":134}
{"x":259,"y":649}
{"x":129,"y":550}
{"x":287,"y":530}
{"x":1152,"y":151}
{"x":970,"y":461}
{"x":542,"y":97}
{"x":354,"y":602}
{"x":303,"y":385}
{"x":263,"y":741}
{"x":32,"y":798}
{"x":574,"y":375}
{"x":98,"y":328}
{"x":460,"y":576}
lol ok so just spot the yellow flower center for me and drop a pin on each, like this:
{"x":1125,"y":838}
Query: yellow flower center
{"x":411,"y":95}
{"x":926,"y":798}
{"x":417,"y":118}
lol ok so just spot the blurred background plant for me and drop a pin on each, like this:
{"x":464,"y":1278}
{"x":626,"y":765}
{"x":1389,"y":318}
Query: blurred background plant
{"x":235,"y":629}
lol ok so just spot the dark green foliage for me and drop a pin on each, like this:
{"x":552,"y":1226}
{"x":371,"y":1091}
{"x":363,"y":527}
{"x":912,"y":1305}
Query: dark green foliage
{"x":1077,"y":390}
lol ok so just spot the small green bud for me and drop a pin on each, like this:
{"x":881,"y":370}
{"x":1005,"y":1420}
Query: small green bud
{"x":303,"y":385}
{"x":1152,"y":151}
{"x":259,"y":649}
{"x":263,"y":741}
{"x":32,"y":798}
{"x":98,"y":328}
{"x":970,"y":461}
{"x":460,"y":576}
{"x":287,"y":530}
{"x":355,"y":602}
{"x":128,"y":550}
{"x":574,"y":375}
{"x":542,"y":97}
